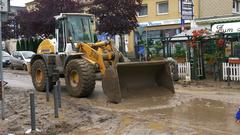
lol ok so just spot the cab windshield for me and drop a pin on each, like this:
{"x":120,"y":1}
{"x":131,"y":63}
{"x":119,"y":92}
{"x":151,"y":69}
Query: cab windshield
{"x":79,"y":28}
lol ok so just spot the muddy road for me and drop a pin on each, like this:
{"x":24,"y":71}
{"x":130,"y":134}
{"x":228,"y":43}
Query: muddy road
{"x":203,"y":107}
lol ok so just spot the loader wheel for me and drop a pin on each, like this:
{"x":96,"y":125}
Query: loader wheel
{"x":39,"y":76}
{"x":80,"y":78}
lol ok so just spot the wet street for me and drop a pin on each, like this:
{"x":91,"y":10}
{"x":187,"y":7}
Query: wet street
{"x":201,"y":108}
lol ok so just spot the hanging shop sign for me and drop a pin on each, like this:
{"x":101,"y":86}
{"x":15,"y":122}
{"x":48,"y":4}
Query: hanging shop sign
{"x":227,"y":27}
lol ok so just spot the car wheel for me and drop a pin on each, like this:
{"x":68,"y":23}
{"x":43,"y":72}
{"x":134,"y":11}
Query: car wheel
{"x":25,"y":67}
{"x":12,"y":67}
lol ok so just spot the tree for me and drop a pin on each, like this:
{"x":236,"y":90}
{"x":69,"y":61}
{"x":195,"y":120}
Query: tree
{"x":9,"y":28}
{"x":41,"y":20}
{"x":116,"y":17}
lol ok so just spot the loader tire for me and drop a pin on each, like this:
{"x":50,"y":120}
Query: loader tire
{"x":39,"y":76}
{"x":80,"y":78}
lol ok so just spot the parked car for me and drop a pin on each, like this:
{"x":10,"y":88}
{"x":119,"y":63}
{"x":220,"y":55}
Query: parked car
{"x":5,"y":59}
{"x":20,"y":59}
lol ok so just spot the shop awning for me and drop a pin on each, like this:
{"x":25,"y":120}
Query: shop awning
{"x":218,"y":19}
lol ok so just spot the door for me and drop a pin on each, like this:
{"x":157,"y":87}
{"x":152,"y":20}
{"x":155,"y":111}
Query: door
{"x":14,"y":59}
{"x":19,"y":60}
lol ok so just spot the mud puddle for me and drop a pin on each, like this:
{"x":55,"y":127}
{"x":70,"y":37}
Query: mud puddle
{"x":158,"y":101}
{"x":202,"y":115}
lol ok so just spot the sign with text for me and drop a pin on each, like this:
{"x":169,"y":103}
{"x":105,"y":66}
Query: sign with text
{"x":4,"y":5}
{"x":227,"y":27}
{"x":187,"y":9}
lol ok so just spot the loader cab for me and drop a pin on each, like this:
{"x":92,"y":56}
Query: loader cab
{"x":73,"y":28}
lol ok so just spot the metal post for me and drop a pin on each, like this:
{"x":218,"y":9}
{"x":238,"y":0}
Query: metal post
{"x":228,"y":75}
{"x":164,"y":49}
{"x":59,"y":93}
{"x":215,"y":71}
{"x":33,"y":115}
{"x":1,"y":68}
{"x":56,"y":101}
{"x":47,"y":90}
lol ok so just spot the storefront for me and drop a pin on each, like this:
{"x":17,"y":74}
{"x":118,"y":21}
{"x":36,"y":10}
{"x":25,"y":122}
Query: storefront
{"x":231,"y":31}
{"x":153,"y":32}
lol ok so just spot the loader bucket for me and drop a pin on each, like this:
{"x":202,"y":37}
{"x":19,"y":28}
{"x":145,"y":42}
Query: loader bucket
{"x":137,"y":79}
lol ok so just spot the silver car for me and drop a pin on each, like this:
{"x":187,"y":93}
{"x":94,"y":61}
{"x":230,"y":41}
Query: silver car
{"x":5,"y":59}
{"x":20,"y":59}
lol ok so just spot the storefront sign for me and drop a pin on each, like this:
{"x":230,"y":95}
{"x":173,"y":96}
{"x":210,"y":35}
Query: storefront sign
{"x":227,"y":27}
{"x":163,"y":22}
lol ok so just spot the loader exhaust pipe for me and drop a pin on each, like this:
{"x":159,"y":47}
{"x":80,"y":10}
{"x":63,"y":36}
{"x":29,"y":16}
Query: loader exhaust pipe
{"x":137,"y":79}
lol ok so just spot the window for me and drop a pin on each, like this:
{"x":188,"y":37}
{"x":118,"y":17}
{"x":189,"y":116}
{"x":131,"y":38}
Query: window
{"x":5,"y":54}
{"x":162,"y":7}
{"x":143,"y":11}
{"x":236,"y":6}
{"x":79,"y":28}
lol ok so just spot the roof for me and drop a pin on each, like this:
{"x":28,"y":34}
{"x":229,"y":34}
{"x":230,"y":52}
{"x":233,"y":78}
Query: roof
{"x":77,"y":14}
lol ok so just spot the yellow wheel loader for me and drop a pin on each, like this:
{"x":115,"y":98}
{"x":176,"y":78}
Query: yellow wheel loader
{"x":75,"y":56}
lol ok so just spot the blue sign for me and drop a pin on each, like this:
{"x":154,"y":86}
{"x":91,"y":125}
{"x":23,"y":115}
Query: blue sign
{"x":187,"y":9}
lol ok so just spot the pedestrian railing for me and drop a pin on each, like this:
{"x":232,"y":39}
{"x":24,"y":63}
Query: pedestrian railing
{"x":231,"y":70}
{"x":184,"y":70}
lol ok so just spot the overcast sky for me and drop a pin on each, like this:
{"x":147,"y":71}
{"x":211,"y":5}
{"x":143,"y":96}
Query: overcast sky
{"x":19,"y":2}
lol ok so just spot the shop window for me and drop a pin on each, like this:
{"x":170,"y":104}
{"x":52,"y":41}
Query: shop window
{"x":152,"y":34}
{"x":143,"y":11}
{"x":162,"y":7}
{"x":236,"y":6}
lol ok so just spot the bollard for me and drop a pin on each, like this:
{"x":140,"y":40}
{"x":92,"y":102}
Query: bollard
{"x":215,"y":72}
{"x":228,"y":76}
{"x":2,"y":99}
{"x":59,"y":94}
{"x":47,"y":90}
{"x":33,"y":113}
{"x":56,"y":101}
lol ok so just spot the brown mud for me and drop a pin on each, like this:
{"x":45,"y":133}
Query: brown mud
{"x":202,"y":107}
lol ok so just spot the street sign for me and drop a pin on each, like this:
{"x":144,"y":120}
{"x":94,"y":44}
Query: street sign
{"x":4,"y":5}
{"x":187,"y":17}
{"x":187,"y":9}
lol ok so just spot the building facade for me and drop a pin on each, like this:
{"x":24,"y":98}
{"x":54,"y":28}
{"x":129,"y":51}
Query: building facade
{"x":161,"y":18}
{"x":225,"y":11}
{"x":210,"y":8}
